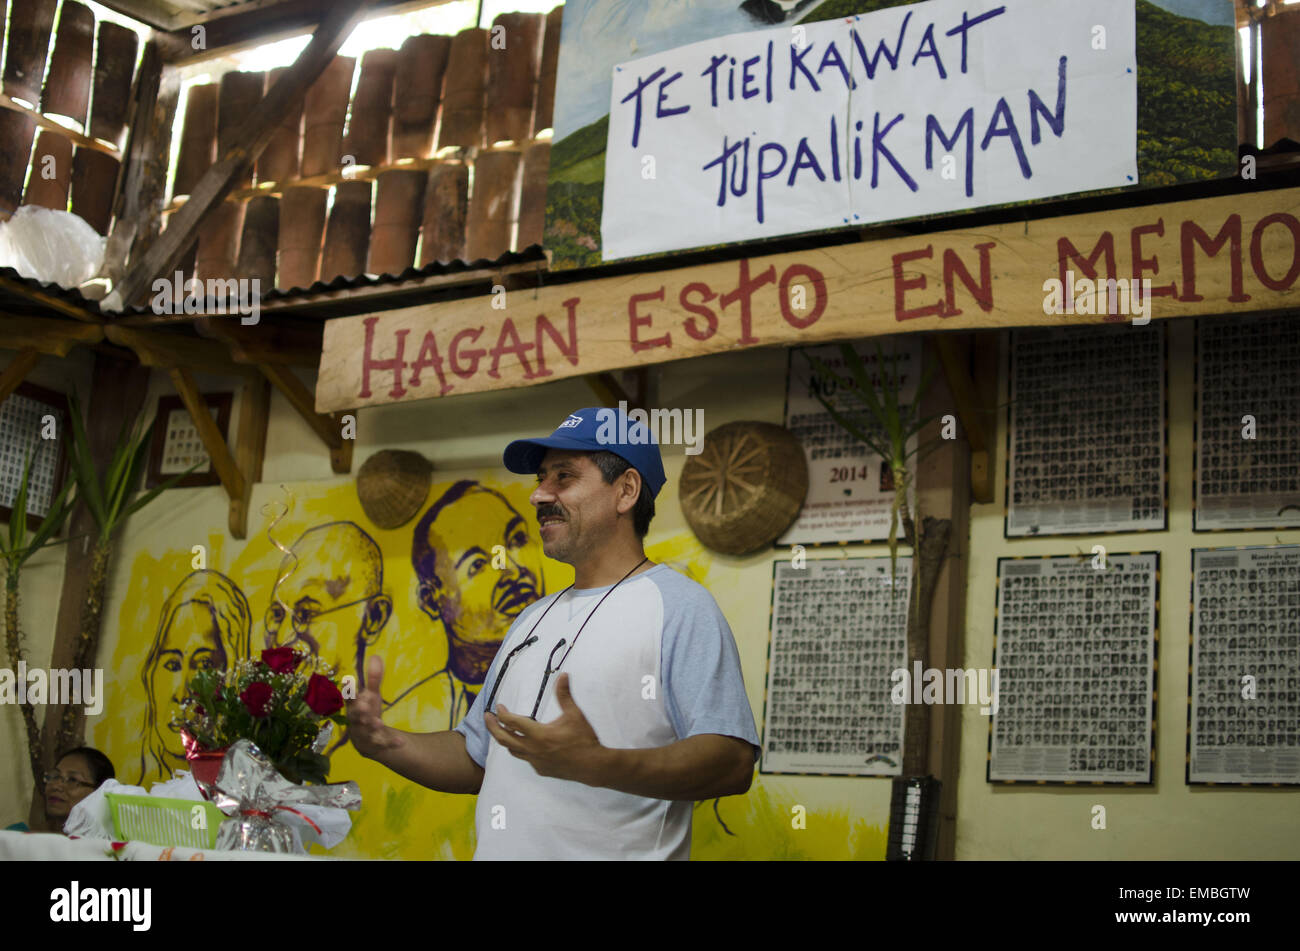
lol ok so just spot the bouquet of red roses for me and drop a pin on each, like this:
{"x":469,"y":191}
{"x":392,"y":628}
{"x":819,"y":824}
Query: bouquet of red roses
{"x":282,"y":703}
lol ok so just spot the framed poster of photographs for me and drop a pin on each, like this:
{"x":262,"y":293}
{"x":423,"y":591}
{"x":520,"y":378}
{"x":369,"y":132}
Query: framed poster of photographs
{"x":1247,"y":419}
{"x":30,"y":415}
{"x":1087,"y":435}
{"x":1244,"y":673}
{"x":1075,"y":650}
{"x":839,"y":631}
{"x":176,"y":442}
{"x":850,"y":488}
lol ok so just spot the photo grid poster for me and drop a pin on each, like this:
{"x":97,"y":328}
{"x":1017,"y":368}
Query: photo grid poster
{"x":1248,"y":423}
{"x":1244,"y":715}
{"x":21,"y":423}
{"x":850,"y":488}
{"x":184,"y":447}
{"x":1075,"y":649}
{"x":839,"y":630}
{"x":1086,"y":441}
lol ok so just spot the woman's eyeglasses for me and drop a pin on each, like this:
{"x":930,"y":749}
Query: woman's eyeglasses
{"x":54,"y":776}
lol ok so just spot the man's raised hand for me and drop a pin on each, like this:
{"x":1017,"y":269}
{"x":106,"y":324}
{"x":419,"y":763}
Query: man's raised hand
{"x":366,"y":727}
{"x":565,"y":748}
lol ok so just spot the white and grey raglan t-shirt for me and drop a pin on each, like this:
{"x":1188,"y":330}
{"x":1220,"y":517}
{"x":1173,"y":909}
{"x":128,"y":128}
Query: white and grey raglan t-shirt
{"x":656,"y":664}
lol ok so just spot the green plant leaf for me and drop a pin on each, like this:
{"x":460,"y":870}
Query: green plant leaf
{"x":128,"y":476}
{"x":83,"y":464}
{"x":843,"y":419}
{"x":124,"y":470}
{"x":155,"y":492}
{"x":60,"y":509}
{"x":18,"y":520}
{"x":113,"y":481}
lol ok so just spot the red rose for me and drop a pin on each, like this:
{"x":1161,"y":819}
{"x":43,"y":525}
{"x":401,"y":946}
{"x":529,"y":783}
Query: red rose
{"x":281,"y":660}
{"x":256,"y":697}
{"x":322,"y":696}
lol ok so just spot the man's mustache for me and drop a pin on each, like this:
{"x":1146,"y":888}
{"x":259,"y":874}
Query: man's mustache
{"x":516,"y":595}
{"x":545,"y":511}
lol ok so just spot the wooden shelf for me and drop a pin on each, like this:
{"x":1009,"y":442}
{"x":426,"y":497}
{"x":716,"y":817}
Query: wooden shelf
{"x":365,"y":173}
{"x":45,"y":122}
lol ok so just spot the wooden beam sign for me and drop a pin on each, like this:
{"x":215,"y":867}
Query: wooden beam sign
{"x":1231,"y":254}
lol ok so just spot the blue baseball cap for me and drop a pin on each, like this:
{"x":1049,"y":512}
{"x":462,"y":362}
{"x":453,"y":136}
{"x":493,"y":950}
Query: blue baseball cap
{"x":595,"y":429}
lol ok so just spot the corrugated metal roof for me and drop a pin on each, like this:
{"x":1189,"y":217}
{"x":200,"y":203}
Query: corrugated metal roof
{"x":22,"y":295}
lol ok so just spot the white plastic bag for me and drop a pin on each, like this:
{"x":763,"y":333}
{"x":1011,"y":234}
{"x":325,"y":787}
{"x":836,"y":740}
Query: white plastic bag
{"x":91,"y":818}
{"x":180,"y":786}
{"x":54,"y":247}
{"x":310,"y":825}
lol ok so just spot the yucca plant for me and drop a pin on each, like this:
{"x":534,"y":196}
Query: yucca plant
{"x":16,"y":549}
{"x":883,"y":422}
{"x":875,"y":414}
{"x":108,"y":498}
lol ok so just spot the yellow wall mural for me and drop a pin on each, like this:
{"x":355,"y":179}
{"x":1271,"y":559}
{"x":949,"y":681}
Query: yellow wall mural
{"x":433,"y":598}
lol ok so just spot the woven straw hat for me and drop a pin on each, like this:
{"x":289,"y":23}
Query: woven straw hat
{"x":392,"y":485}
{"x":745,"y":488}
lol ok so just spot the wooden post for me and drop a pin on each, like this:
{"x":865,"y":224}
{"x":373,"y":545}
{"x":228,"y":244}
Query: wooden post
{"x":974,"y":407}
{"x":943,"y":488}
{"x":250,"y":448}
{"x":117,"y":393}
{"x":138,"y":203}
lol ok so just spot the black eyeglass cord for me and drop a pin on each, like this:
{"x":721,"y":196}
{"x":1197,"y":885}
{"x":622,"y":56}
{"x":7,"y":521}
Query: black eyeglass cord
{"x":531,"y":639}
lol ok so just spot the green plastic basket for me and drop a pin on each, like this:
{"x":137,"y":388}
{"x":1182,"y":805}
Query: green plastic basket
{"x":164,"y":822}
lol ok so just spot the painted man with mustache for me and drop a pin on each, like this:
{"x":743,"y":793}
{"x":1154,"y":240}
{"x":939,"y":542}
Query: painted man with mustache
{"x":479,"y":565}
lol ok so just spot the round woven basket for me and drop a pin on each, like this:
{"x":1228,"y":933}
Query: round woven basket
{"x":745,"y":488}
{"x":392,"y":485}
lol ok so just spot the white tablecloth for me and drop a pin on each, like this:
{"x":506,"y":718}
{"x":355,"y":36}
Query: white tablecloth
{"x":48,"y":846}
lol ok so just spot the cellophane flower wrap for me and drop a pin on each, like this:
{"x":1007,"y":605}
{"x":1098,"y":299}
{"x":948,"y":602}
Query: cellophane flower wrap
{"x":256,"y":798}
{"x":281,"y":703}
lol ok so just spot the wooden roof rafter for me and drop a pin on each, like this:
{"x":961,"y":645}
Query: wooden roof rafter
{"x":163,"y":255}
{"x":230,"y":27}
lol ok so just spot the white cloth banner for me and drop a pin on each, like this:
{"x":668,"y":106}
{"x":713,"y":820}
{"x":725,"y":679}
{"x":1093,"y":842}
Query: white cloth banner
{"x":914,"y":110}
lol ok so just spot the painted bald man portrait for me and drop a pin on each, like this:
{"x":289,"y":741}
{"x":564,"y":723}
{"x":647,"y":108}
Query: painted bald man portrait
{"x":329,"y":597}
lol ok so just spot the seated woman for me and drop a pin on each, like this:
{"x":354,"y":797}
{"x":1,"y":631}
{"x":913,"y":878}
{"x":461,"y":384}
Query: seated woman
{"x":77,"y":774}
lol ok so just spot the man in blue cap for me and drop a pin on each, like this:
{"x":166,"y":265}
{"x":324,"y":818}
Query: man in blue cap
{"x":612,"y":706}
